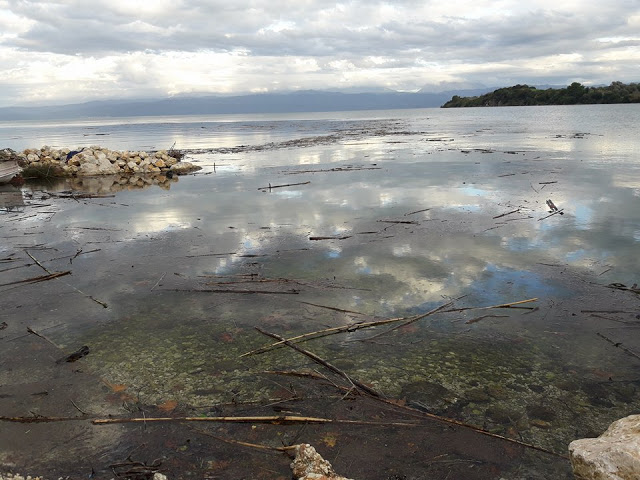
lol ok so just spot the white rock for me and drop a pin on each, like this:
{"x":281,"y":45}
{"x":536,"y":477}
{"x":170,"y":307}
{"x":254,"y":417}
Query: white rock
{"x":184,"y":167}
{"x":309,"y":465}
{"x":98,"y":167}
{"x":614,"y":455}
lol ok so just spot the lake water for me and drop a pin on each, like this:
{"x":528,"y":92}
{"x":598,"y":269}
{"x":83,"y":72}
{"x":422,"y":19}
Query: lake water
{"x":370,"y":215}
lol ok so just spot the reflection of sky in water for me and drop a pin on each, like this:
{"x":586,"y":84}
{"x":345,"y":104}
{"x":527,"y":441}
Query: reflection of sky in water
{"x":498,"y":283}
{"x":463,"y":193}
{"x":583,"y":216}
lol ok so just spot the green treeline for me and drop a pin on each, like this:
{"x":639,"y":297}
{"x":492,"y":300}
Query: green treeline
{"x":574,"y":94}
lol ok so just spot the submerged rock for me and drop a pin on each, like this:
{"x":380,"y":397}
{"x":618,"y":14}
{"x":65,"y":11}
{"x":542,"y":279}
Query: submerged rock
{"x":614,"y":455}
{"x":96,"y":160}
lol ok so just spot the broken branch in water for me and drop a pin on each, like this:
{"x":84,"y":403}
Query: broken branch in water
{"x":417,"y":211}
{"x":223,"y":290}
{"x":246,"y":444}
{"x":324,"y":363}
{"x":38,"y":419}
{"x":274,"y":420}
{"x":477,"y":319}
{"x":333,"y":308}
{"x":408,"y":222}
{"x":31,"y":330}
{"x":352,"y":327}
{"x":413,"y":319}
{"x":619,"y":345}
{"x":505,"y":214}
{"x":561,"y":212}
{"x":621,"y":286}
{"x":422,"y":413}
{"x":270,"y":187}
{"x":104,"y":305}
{"x":502,"y":305}
{"x":42,"y":278}
{"x":330,"y":238}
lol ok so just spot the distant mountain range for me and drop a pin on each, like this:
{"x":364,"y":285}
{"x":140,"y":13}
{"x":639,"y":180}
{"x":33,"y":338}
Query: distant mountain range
{"x":300,"y":101}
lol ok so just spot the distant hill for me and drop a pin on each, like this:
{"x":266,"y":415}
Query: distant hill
{"x":574,"y":94}
{"x":302,"y":101}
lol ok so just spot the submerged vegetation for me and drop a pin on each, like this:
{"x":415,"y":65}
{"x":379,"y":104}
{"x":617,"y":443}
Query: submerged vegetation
{"x":574,"y":94}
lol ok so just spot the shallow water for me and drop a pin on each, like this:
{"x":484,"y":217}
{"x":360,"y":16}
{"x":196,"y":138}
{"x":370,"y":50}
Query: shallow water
{"x":424,"y":207}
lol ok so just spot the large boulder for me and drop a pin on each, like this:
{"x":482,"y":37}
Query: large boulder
{"x":614,"y":455}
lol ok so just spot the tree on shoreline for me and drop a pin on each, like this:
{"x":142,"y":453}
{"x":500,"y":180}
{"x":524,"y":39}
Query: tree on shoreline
{"x":574,"y":94}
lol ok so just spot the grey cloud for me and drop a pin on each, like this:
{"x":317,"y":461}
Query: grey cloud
{"x":399,"y":41}
{"x":312,"y":30}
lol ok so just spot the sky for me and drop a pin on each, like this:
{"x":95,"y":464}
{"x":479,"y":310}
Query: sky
{"x":71,"y":51}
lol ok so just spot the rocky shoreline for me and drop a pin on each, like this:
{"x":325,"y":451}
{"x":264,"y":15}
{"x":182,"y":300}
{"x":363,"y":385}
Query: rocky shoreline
{"x":97,"y":160}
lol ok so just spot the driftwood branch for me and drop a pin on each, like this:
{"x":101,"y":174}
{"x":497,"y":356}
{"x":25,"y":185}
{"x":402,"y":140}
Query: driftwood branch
{"x":619,"y":345}
{"x":324,"y":363}
{"x":270,"y":187}
{"x":104,"y":305}
{"x":352,"y":327}
{"x":274,"y":420}
{"x":41,"y":278}
{"x":505,"y":214}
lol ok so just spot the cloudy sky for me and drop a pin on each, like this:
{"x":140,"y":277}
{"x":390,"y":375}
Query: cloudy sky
{"x":70,"y":51}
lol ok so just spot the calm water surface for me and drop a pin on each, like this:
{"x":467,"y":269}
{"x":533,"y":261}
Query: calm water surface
{"x":414,"y":209}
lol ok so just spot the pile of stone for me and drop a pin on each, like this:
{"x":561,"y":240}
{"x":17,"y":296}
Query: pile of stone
{"x":97,"y":160}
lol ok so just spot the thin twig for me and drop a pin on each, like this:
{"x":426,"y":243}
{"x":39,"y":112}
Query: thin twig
{"x":412,"y":320}
{"x":324,"y":363}
{"x":159,"y":280}
{"x":274,"y":420}
{"x":619,"y":345}
{"x":270,"y":187}
{"x":552,"y":214}
{"x":104,"y":305}
{"x":505,"y":214}
{"x":42,"y":278}
{"x":246,"y":444}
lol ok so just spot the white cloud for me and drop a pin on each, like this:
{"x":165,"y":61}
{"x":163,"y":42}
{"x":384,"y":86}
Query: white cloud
{"x":73,"y":50}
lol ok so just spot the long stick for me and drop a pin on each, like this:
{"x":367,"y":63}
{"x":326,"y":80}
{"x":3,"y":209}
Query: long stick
{"x":352,"y":327}
{"x":552,"y":214}
{"x":379,"y":397}
{"x":104,"y":305}
{"x":39,"y":419}
{"x":324,"y":363}
{"x":412,"y":320}
{"x":275,"y":420}
{"x":619,"y":345}
{"x":502,"y":305}
{"x":42,"y":278}
{"x":280,"y":186}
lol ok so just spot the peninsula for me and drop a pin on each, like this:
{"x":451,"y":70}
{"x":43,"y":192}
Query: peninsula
{"x":574,"y":94}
